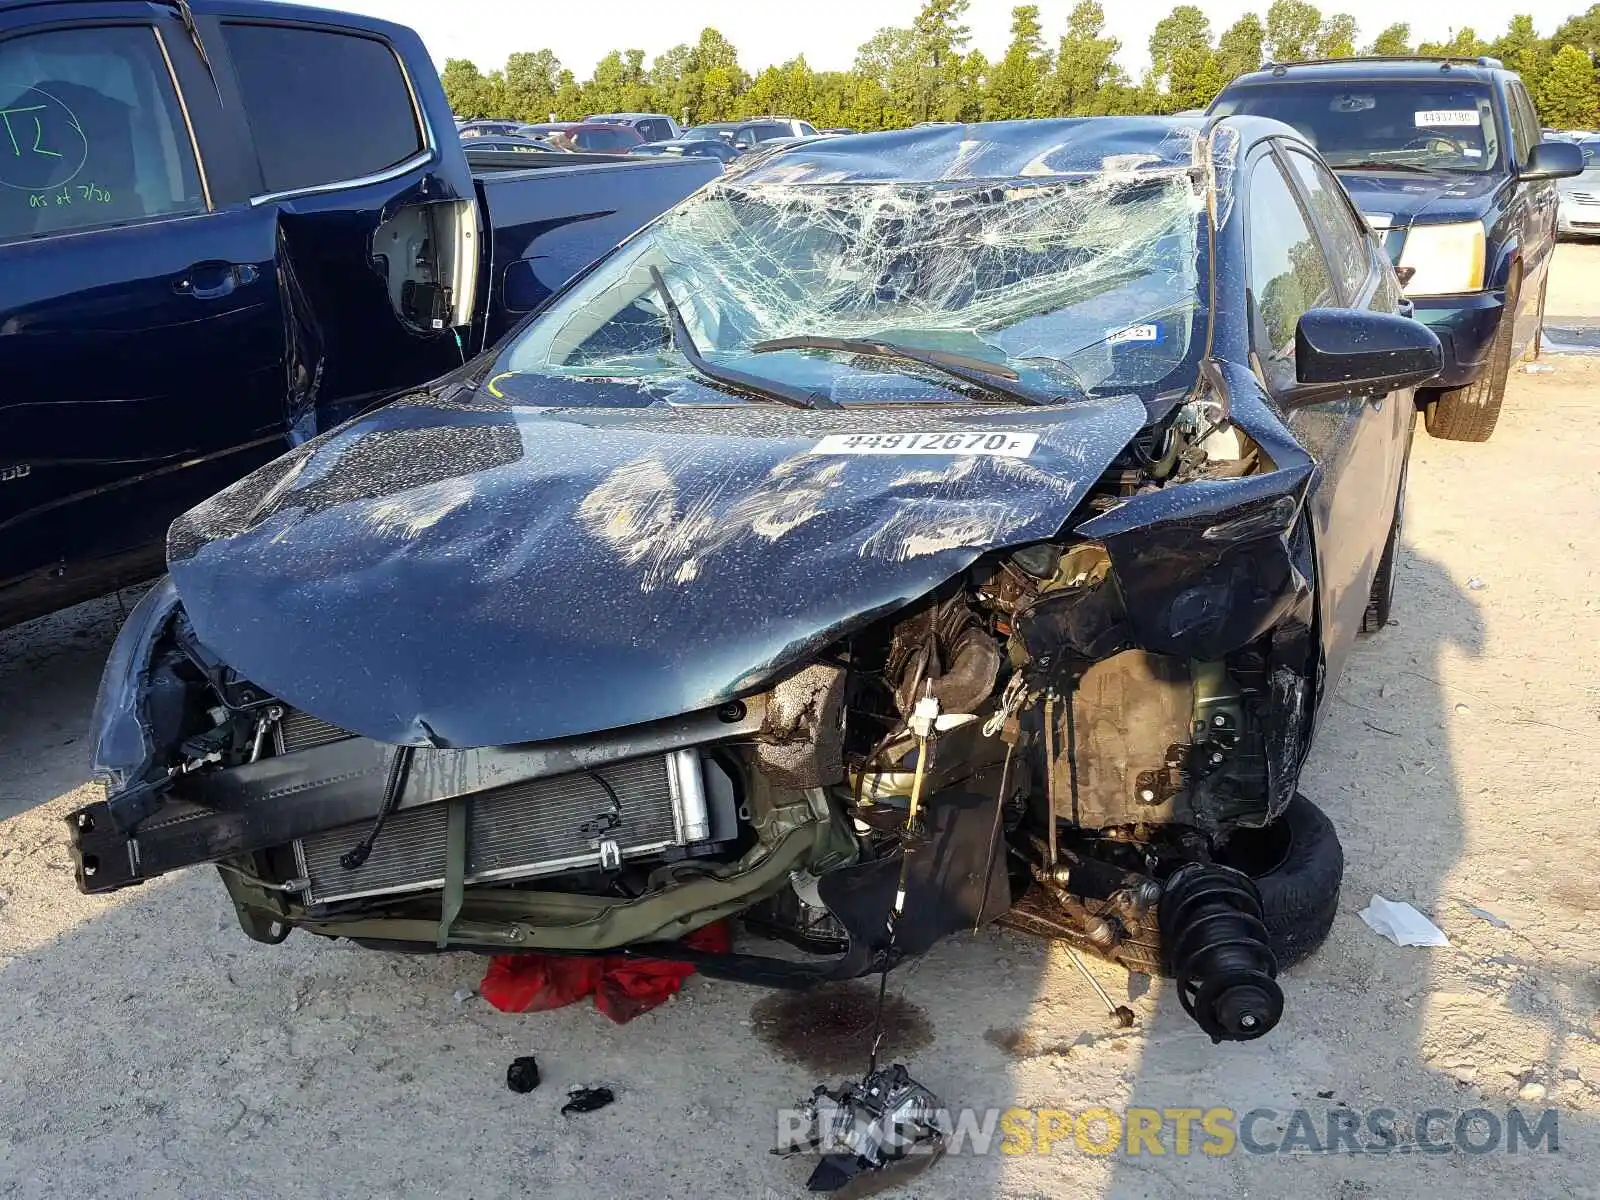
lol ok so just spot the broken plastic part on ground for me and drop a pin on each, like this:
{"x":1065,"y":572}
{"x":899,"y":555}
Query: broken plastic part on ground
{"x":885,"y":1120}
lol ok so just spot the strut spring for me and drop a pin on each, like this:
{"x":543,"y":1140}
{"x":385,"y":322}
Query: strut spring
{"x":1215,"y":943}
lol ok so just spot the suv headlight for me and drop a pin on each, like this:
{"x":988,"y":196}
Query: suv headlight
{"x":1444,"y":259}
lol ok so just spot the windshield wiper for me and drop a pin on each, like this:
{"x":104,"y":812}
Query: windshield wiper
{"x":989,"y":377}
{"x":767,"y":389}
{"x":1378,"y":164}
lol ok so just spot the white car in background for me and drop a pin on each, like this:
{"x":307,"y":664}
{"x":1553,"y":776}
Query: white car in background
{"x":1578,"y":211}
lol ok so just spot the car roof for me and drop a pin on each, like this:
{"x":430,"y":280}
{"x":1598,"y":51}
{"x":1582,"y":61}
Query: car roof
{"x":1478,"y":70}
{"x":1028,"y":151}
{"x":628,"y":116}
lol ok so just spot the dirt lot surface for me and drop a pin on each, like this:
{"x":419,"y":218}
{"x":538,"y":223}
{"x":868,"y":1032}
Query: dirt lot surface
{"x":148,"y":1049}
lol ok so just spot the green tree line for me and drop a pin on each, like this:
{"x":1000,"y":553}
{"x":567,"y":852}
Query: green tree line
{"x":929,"y":72}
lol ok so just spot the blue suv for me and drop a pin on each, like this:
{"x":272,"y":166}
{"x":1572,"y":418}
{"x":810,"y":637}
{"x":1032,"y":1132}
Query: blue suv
{"x":1446,"y":160}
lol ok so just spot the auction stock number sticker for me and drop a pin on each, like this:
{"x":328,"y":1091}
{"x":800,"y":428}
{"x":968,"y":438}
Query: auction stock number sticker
{"x":986,"y":442}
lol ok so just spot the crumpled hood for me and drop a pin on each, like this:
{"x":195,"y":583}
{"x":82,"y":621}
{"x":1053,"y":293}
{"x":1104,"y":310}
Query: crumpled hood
{"x":447,"y":574}
{"x":1406,"y":197}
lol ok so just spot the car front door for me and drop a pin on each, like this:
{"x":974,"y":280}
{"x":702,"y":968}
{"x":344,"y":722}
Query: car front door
{"x":375,"y":217}
{"x":141,"y":332}
{"x":1292,"y":266}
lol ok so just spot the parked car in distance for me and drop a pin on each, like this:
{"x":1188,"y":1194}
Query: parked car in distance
{"x":652,"y":127}
{"x":209,"y":256}
{"x":744,"y":135}
{"x":711,"y":131}
{"x":476,"y":129}
{"x":1446,"y":159}
{"x":514,"y":145}
{"x":1579,"y":211}
{"x":716,"y":148}
{"x":597,"y":138}
{"x":738,"y":581}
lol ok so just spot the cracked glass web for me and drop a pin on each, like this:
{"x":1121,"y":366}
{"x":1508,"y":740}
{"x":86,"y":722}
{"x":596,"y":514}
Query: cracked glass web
{"x":1085,"y":281}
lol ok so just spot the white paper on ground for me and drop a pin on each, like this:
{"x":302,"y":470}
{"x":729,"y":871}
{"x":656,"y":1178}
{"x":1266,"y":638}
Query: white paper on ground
{"x":1402,"y":924}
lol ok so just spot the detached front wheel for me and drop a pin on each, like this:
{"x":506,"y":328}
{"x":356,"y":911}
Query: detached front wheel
{"x":1297,"y":864}
{"x":1469,"y":414}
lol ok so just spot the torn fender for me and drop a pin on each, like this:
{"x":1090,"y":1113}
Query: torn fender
{"x":444,"y":574}
{"x":1205,"y":567}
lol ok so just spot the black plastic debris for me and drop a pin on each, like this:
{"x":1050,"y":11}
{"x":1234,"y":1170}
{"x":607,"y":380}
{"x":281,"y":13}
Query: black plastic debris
{"x":587,"y":1099}
{"x":523,"y":1074}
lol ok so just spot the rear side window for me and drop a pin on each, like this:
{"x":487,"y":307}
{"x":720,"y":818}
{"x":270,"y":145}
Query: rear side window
{"x":323,"y":107}
{"x":91,"y":132}
{"x":1288,"y":274}
{"x":600,"y":139}
{"x":1349,"y":250}
{"x":654,"y":130}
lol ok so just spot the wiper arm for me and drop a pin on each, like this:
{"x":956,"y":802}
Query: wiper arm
{"x":768,"y":389}
{"x":1378,"y":164}
{"x":990,"y":377}
{"x":186,"y":15}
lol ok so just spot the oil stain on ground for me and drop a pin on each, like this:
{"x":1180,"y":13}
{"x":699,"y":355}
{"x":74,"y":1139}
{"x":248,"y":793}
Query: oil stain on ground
{"x":829,"y":1028}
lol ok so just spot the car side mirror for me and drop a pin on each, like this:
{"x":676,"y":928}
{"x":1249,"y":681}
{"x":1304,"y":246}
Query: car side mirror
{"x":1553,"y":160}
{"x":1338,"y":350}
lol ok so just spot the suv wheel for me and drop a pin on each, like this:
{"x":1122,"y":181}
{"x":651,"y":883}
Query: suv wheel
{"x":1468,"y":414}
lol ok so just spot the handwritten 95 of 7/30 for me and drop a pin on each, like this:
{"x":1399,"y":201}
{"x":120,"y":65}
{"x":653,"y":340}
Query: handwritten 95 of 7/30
{"x":88,"y":193}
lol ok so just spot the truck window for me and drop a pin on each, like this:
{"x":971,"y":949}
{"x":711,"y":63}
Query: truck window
{"x":1440,"y":124}
{"x":1349,"y":247}
{"x":1287,"y":272}
{"x":323,"y":107}
{"x":91,"y":132}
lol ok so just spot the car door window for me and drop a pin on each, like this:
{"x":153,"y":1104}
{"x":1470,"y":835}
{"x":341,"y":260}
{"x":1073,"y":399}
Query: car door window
{"x":91,"y":132}
{"x":323,"y":107}
{"x":599,"y":139}
{"x":806,"y":129}
{"x":1287,"y":271}
{"x":1349,"y":247}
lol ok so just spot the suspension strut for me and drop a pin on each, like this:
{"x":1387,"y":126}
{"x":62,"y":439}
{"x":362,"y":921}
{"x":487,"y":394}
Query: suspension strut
{"x":1215,"y":943}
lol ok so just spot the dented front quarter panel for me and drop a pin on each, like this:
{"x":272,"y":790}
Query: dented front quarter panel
{"x":446,"y":574}
{"x":1205,"y":568}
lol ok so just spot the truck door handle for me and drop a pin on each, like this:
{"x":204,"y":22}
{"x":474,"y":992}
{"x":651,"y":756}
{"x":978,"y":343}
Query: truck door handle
{"x":214,"y":280}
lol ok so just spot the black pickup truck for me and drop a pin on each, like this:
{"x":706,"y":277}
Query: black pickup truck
{"x":225,"y":226}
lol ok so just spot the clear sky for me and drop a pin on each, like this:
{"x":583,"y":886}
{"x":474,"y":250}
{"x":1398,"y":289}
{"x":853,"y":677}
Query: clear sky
{"x":827,"y":32}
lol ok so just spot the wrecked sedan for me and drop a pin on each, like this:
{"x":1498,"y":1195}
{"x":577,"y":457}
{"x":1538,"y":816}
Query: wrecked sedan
{"x":906,"y":532}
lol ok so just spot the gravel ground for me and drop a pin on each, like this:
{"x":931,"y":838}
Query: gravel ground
{"x":149,"y":1049}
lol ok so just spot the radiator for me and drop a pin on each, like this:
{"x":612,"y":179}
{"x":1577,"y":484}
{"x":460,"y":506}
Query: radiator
{"x":521,"y":831}
{"x":298,"y":731}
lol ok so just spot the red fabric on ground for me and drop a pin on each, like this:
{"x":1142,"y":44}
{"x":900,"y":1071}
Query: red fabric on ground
{"x":622,"y":987}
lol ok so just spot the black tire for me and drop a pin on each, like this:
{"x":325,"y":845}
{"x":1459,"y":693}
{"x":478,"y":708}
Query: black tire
{"x":1469,"y":414}
{"x":1300,"y":895}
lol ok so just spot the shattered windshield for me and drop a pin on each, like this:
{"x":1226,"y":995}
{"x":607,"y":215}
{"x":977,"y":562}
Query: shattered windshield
{"x":1436,"y":125}
{"x":1070,"y":285}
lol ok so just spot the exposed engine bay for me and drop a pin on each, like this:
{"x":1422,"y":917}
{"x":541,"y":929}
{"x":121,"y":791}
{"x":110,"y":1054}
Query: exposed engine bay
{"x":1005,"y":748}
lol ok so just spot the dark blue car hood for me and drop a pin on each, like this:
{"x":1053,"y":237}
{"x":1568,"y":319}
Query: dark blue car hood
{"x":1406,"y":197}
{"x":449,"y":574}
